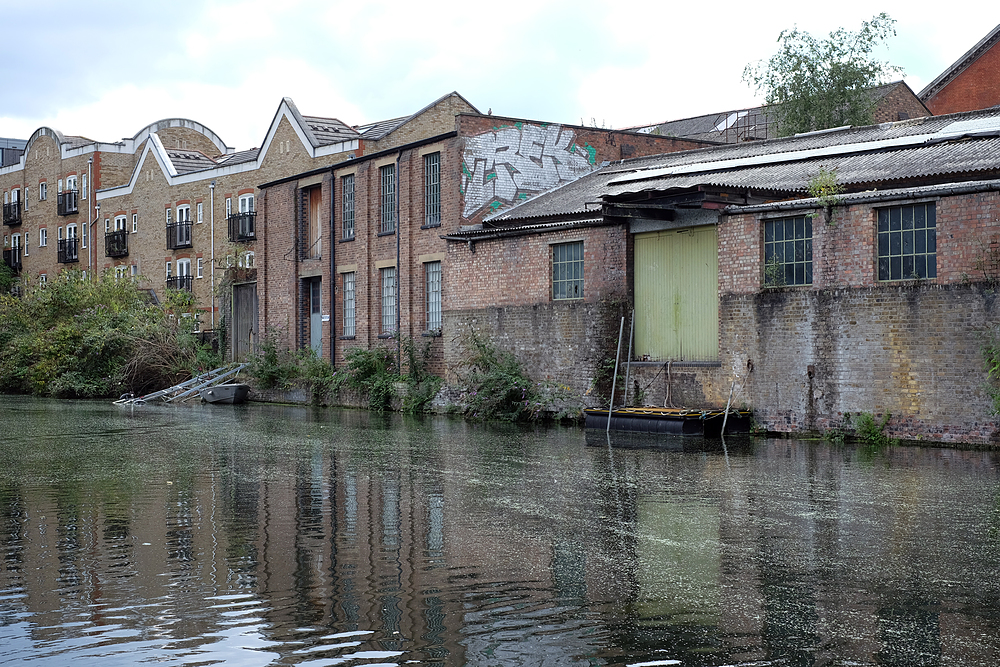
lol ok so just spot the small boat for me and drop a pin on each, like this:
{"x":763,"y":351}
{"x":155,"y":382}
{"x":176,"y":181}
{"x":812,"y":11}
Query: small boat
{"x":226,"y":393}
{"x":680,"y":421}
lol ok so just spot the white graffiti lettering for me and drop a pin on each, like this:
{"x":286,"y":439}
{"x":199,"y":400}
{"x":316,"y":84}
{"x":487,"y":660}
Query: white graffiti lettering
{"x":512,"y":163}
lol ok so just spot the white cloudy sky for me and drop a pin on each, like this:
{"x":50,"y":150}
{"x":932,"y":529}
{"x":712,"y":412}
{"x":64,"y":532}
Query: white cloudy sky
{"x":107,"y":68}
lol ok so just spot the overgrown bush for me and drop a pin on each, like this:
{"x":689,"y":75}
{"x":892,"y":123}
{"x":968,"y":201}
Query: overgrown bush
{"x":871,"y":432}
{"x":76,"y":338}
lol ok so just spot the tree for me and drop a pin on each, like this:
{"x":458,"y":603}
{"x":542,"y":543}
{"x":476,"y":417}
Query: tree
{"x":813,"y":84}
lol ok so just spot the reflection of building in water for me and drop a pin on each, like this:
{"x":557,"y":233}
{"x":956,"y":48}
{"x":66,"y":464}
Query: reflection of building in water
{"x":457,"y":552}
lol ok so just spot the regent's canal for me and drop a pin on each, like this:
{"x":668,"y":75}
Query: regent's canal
{"x":267,"y":535}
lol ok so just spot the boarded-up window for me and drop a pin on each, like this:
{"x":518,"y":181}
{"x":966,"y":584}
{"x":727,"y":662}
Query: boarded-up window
{"x":676,"y":295}
{"x":315,"y":247}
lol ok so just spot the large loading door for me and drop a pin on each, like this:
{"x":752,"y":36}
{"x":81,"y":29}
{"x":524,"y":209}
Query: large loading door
{"x":677,"y":294}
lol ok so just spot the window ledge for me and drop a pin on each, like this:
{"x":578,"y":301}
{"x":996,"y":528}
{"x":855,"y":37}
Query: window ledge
{"x":388,"y":335}
{"x":386,"y":233}
{"x":346,"y":240}
{"x":433,"y":333}
{"x":434,"y":226}
{"x":347,"y":337}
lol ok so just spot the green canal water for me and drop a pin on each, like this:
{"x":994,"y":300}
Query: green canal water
{"x":268,"y":535}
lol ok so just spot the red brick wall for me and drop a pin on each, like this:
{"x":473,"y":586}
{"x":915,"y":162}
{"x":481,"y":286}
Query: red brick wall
{"x":974,"y":88}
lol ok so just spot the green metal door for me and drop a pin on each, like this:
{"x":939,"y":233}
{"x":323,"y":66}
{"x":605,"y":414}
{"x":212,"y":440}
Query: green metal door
{"x":677,"y":295}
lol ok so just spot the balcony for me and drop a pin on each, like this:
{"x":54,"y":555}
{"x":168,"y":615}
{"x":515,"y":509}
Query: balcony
{"x":68,"y":251}
{"x":12,"y":258}
{"x":181,"y":282}
{"x":243,"y":226}
{"x":12,"y":213}
{"x":66,"y":202}
{"x":116,"y":244}
{"x":179,"y":235}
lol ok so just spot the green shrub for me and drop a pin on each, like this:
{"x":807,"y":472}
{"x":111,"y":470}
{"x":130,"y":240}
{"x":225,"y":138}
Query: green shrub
{"x":871,"y":432}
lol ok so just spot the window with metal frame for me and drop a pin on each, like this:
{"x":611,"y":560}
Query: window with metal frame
{"x":567,"y":270}
{"x":388,"y":275}
{"x":349,"y":303}
{"x":387,"y":208}
{"x":907,"y":242}
{"x":432,"y":281}
{"x":432,"y":190}
{"x":347,"y":198}
{"x":788,"y":251}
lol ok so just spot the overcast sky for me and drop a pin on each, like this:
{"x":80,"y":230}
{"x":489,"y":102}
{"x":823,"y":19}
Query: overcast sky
{"x":107,"y":68}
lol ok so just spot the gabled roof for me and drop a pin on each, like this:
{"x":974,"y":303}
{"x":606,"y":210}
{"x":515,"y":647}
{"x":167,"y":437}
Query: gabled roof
{"x":960,"y":65}
{"x":953,"y":148}
{"x":186,"y":161}
{"x":329,"y":130}
{"x":378,"y":130}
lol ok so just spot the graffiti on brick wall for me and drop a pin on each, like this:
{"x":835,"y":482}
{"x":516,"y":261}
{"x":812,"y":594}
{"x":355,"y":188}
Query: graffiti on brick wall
{"x":511,"y":163}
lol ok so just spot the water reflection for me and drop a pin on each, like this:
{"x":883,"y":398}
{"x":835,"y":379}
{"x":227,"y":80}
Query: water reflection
{"x":285,"y":535}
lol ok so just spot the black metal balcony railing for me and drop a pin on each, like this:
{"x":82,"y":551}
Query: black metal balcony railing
{"x":68,"y":251}
{"x":116,"y":244}
{"x":181,"y":282}
{"x":179,"y":235}
{"x":243,"y":226}
{"x":66,"y":202}
{"x":12,"y":258}
{"x":12,"y":213}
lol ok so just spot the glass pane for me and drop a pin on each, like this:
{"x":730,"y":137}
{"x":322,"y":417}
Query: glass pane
{"x":895,"y":268}
{"x":907,"y":215}
{"x":920,"y":241}
{"x":920,"y":266}
{"x":883,"y":268}
{"x":768,"y":232}
{"x":907,"y":243}
{"x":883,"y":220}
{"x":883,"y":244}
{"x":894,"y":219}
{"x":919,"y":217}
{"x":908,"y":272}
{"x":895,"y":241}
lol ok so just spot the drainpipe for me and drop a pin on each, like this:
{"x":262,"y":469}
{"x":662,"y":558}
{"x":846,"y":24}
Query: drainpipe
{"x":333,"y":274}
{"x":211,"y":216}
{"x":97,"y":209}
{"x":399,"y":269}
{"x":90,"y":220}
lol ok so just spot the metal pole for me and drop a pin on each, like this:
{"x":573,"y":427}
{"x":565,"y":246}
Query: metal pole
{"x":614,"y":378}
{"x":628,"y":357}
{"x":726,"y":416}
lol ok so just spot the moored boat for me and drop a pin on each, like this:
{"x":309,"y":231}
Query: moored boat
{"x":230,"y":393}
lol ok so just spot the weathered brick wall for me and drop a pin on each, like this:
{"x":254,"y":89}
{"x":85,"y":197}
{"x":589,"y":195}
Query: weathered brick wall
{"x":900,"y":104}
{"x":974,"y":88}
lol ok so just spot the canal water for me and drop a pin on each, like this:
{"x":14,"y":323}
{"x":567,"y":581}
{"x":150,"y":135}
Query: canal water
{"x":269,"y":535}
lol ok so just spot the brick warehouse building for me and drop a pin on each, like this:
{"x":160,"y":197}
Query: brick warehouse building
{"x":372,"y":226}
{"x":739,"y":279}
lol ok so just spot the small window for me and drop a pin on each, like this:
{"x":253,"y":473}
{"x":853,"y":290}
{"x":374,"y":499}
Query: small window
{"x":229,"y":207}
{"x":26,"y":190}
{"x":349,"y":322}
{"x":788,"y":252}
{"x":249,"y":260}
{"x":121,"y":272}
{"x":432,"y":275}
{"x":388,"y":300}
{"x":170,"y":269}
{"x":42,"y":278}
{"x":170,"y":216}
{"x":387,"y":178}
{"x":83,"y":187}
{"x":135,"y":222}
{"x":42,"y":191}
{"x":907,"y":242}
{"x":120,"y":222}
{"x":432,"y":190}
{"x":567,"y":270}
{"x":25,"y":244}
{"x":201,"y":267}
{"x":183,"y":214}
{"x":107,"y":225}
{"x":347,"y":195}
{"x":43,"y":237}
{"x":201,"y":212}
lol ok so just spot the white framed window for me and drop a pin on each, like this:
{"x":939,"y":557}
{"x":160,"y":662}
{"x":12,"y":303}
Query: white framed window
{"x":42,"y":278}
{"x":43,"y":237}
{"x":15,"y":241}
{"x":26,"y":198}
{"x":134,"y":270}
{"x":83,"y":237}
{"x":201,"y":267}
{"x":388,"y":299}
{"x":201,"y":212}
{"x":432,"y":274}
{"x":71,"y":231}
{"x":170,"y":216}
{"x":246,"y":203}
{"x":349,"y":303}
{"x":120,"y":221}
{"x":229,"y":207}
{"x":121,"y":272}
{"x":59,"y":233}
{"x":183,"y":268}
{"x":15,"y":195}
{"x":170,"y":270}
{"x":59,"y":186}
{"x":83,"y":186}
{"x":26,"y":244}
{"x":135,"y":222}
{"x":107,"y":225}
{"x":71,"y":183}
{"x":42,"y":191}
{"x":184,"y":213}
{"x":249,"y":260}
